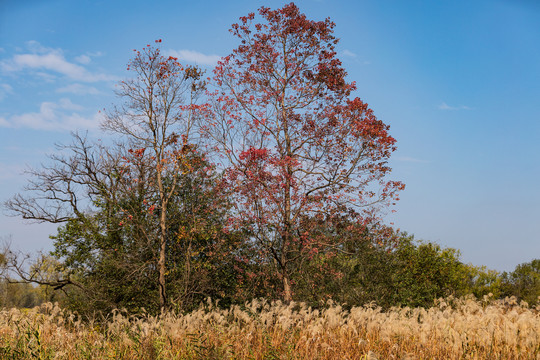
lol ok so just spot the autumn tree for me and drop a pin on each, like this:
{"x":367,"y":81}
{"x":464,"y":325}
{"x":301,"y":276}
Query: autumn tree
{"x":295,"y":143}
{"x":157,"y":120}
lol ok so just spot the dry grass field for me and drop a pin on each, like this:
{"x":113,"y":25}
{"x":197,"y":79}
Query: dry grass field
{"x":455,"y":329}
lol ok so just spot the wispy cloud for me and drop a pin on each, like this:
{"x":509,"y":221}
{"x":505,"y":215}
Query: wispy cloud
{"x":11,"y":171}
{"x":78,"y":89}
{"x":4,"y":122}
{"x":348,"y":53}
{"x":86,"y":59}
{"x":36,"y":47}
{"x":57,"y":63}
{"x":445,"y":106}
{"x":194,"y":57}
{"x":83,"y":59}
{"x":5,"y":89}
{"x":353,"y":57}
{"x":59,"y":116}
{"x":44,"y":59}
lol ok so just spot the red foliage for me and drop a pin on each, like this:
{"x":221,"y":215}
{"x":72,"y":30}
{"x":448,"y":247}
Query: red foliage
{"x":298,"y":146}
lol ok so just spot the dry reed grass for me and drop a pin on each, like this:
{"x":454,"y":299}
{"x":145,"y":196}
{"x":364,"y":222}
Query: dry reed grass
{"x":454,"y":329}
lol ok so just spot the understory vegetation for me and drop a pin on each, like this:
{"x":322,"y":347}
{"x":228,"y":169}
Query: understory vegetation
{"x":413,"y":274}
{"x":452,"y":329}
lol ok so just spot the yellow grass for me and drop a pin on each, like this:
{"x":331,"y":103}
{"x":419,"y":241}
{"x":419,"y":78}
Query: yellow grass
{"x":455,"y":329}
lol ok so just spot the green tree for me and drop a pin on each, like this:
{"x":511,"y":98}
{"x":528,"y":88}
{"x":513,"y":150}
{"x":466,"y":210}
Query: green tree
{"x":483,"y":281}
{"x":524,"y":282}
{"x":423,"y":272}
{"x":24,"y":281}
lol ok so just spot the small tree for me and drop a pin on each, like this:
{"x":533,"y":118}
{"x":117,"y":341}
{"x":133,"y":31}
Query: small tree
{"x":295,"y":143}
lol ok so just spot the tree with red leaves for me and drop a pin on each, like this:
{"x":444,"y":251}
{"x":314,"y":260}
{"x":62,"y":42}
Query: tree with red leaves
{"x":295,"y":143}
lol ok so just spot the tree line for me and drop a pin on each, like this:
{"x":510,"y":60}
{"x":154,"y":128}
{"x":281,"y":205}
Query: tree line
{"x":414,"y":274}
{"x":267,"y":179}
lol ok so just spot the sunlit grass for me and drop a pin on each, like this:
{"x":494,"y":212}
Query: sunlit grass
{"x":454,"y":329}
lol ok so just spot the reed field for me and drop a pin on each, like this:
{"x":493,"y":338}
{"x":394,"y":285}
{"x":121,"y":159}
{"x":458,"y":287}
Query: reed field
{"x":454,"y":329}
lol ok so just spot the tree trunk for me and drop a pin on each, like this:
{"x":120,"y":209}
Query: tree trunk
{"x":161,"y":264}
{"x":287,"y":293}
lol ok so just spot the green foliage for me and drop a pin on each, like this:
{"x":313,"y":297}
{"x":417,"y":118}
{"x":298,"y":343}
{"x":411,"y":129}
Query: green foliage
{"x":524,"y":282}
{"x":22,"y":295}
{"x":356,"y":272}
{"x":483,"y":281}
{"x":386,"y":267}
{"x":424,"y":271}
{"x":113,"y":252}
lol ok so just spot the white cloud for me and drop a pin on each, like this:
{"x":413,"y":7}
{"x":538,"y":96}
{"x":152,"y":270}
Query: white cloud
{"x":95,"y":54}
{"x":36,"y":47}
{"x":60,"y":116}
{"x":87,"y":58}
{"x":349,"y":53}
{"x":353,"y":57}
{"x":50,"y":78}
{"x":195,"y":57}
{"x":445,"y":106}
{"x":4,"y":90}
{"x":55,"y":62}
{"x":66,"y":104}
{"x":45,"y":59}
{"x":83,"y":59}
{"x":11,"y":171}
{"x":78,"y":89}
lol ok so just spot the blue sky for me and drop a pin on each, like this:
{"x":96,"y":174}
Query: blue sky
{"x":457,"y":81}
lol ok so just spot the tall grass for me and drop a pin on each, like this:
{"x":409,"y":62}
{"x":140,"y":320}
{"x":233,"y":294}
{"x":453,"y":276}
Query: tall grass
{"x":454,"y":329}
